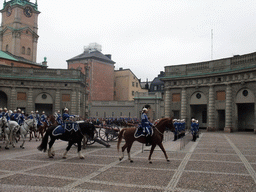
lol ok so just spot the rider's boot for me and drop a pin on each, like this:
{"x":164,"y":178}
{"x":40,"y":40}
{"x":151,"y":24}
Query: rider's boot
{"x":148,"y":141}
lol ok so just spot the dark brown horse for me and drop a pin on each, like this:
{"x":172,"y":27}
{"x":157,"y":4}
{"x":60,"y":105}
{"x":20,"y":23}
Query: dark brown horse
{"x":156,"y":139}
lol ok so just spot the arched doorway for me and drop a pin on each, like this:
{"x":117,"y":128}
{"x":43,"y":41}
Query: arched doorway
{"x":44,"y":102}
{"x":198,"y":108}
{"x":3,"y":99}
{"x":245,"y":110}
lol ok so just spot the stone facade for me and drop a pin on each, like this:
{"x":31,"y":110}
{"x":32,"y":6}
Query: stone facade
{"x":46,"y":90}
{"x":219,"y":93}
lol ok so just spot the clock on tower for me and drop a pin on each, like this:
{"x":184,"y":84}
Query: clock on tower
{"x":19,"y":30}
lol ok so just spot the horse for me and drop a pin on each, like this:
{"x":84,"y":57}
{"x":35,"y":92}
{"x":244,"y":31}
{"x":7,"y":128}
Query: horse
{"x":85,"y":129}
{"x":156,"y":138}
{"x":28,"y":125}
{"x":41,"y":130}
{"x":8,"y":128}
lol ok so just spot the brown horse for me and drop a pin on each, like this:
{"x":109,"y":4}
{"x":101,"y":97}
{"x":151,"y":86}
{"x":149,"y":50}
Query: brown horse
{"x":156,"y":138}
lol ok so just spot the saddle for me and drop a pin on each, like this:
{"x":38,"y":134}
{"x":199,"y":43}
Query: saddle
{"x":67,"y":126}
{"x":143,"y":131}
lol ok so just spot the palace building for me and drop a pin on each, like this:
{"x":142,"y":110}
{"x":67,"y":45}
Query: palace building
{"x":219,"y":93}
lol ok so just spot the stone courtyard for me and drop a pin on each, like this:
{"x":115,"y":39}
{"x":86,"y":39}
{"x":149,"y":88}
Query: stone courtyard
{"x":217,"y":161}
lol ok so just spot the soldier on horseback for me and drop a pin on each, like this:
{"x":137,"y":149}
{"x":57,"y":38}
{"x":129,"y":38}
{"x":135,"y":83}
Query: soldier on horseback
{"x":66,"y":116}
{"x":21,"y":117}
{"x":32,"y":115}
{"x":59,"y":118}
{"x":44,"y":118}
{"x":145,"y":128}
{"x":6,"y":114}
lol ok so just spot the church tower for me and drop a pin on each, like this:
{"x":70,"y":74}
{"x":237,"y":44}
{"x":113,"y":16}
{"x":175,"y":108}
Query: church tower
{"x":18,"y":32}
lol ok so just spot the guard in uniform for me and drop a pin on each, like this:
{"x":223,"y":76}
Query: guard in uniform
{"x":6,"y":114}
{"x":59,"y":118}
{"x":43,"y":118}
{"x":21,"y":118}
{"x":147,"y":126}
{"x":32,"y":115}
{"x":66,"y":116}
{"x":194,"y":129}
{"x":38,"y":119}
{"x":175,"y":124}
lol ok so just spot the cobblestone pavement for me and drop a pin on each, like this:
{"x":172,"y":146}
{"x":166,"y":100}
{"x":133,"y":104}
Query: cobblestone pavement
{"x":215,"y":162}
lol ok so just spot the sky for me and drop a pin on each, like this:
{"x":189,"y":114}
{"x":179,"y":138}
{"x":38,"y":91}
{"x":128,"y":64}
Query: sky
{"x":146,"y":35}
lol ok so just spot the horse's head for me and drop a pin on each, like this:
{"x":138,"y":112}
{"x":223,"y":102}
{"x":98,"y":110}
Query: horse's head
{"x":87,"y":129}
{"x":32,"y":123}
{"x":3,"y":121}
{"x":166,"y":123}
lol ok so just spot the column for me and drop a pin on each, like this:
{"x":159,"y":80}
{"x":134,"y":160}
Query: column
{"x":73,"y":102}
{"x":79,"y":103}
{"x":57,"y":101}
{"x":183,"y":113}
{"x":167,"y":103}
{"x":30,"y":106}
{"x":228,"y":113}
{"x":211,"y":115}
{"x":13,"y":103}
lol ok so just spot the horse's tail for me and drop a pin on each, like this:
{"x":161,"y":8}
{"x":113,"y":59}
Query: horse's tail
{"x":44,"y":143}
{"x":120,"y":136}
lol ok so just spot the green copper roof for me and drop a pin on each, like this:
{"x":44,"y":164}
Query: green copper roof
{"x":6,"y":56}
{"x":21,"y":2}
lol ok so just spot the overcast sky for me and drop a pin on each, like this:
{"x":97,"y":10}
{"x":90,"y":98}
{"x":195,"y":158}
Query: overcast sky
{"x":146,"y":35}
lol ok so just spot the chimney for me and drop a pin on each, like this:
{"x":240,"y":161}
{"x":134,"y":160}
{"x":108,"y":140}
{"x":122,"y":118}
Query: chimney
{"x":108,"y":55}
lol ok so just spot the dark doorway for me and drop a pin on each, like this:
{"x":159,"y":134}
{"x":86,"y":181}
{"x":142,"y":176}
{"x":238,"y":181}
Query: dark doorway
{"x":47,"y":108}
{"x":245,"y":117}
{"x":199,"y":112}
{"x":3,"y":99}
{"x":221,"y":119}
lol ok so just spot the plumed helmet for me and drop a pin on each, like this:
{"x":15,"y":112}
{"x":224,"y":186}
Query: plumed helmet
{"x":174,"y":120}
{"x":5,"y":109}
{"x":1,"y":108}
{"x":36,"y":111}
{"x":15,"y":111}
{"x":43,"y":112}
{"x":193,"y":120}
{"x":144,"y":109}
{"x":19,"y":110}
{"x":32,"y":112}
{"x":58,"y":111}
{"x":66,"y":109}
{"x":22,"y":112}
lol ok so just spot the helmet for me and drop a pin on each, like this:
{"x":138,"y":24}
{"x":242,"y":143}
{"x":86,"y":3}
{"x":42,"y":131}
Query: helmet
{"x":66,"y":109}
{"x":144,"y":109}
{"x":15,"y":111}
{"x":43,"y":112}
{"x":22,"y":112}
{"x":36,"y":111}
{"x":174,"y":120}
{"x":19,"y":110}
{"x":193,"y":120}
{"x":5,"y":109}
{"x":58,"y":111}
{"x":1,"y":109}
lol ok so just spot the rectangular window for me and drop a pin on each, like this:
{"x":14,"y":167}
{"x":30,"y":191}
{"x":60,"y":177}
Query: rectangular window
{"x":176,"y":97}
{"x":137,"y":84}
{"x":155,"y":88}
{"x":22,"y":96}
{"x":65,"y":97}
{"x":221,"y":95}
{"x":133,"y":84}
{"x":132,"y":93}
{"x":113,"y":114}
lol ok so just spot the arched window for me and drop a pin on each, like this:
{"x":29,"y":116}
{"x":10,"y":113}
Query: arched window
{"x":28,"y":51}
{"x":23,"y":50}
{"x":6,"y":48}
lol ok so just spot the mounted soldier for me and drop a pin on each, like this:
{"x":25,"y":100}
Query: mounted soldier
{"x":13,"y":116}
{"x":66,"y":117}
{"x":145,"y":128}
{"x":59,"y":118}
{"x":6,"y":114}
{"x":43,"y":118}
{"x":21,"y":117}
{"x":32,"y":115}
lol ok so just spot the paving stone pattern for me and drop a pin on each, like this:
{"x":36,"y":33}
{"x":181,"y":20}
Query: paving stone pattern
{"x":215,"y":162}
